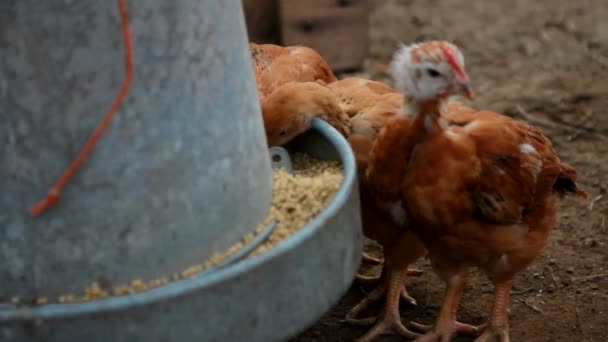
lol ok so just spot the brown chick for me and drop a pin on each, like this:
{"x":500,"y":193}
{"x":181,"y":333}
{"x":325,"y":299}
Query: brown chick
{"x":497,"y":213}
{"x":289,"y":110}
{"x":275,"y":65}
{"x":368,"y":104}
{"x":371,"y":104}
{"x":479,"y":190}
{"x":357,"y":94}
{"x":382,"y":172}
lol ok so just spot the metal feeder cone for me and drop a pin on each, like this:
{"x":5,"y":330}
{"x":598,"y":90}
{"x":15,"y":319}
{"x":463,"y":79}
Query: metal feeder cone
{"x":161,"y":189}
{"x":180,"y":171}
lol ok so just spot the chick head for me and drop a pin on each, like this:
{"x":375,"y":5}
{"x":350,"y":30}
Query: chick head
{"x":430,"y":70}
{"x":288,"y":111}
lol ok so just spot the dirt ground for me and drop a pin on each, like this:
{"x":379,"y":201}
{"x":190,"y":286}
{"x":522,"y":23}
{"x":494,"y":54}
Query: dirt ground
{"x":544,"y":61}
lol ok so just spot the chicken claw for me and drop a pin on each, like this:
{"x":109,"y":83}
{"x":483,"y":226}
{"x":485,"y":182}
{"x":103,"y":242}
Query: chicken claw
{"x":444,"y":331}
{"x":368,"y":259}
{"x":367,"y":279}
{"x":494,"y":335}
{"x":447,"y":325}
{"x":373,"y":296}
{"x":379,"y":291}
{"x":389,"y":321}
{"x":406,"y":296}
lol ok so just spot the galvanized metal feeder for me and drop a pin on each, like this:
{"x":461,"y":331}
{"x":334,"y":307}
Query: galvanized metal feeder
{"x":181,"y":173}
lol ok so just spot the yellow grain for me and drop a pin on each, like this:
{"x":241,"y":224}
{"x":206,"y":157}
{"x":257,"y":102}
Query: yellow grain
{"x":42,"y":300}
{"x":299,"y":197}
{"x":67,"y":298}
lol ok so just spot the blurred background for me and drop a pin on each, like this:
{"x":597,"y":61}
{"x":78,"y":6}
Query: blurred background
{"x":543,"y":61}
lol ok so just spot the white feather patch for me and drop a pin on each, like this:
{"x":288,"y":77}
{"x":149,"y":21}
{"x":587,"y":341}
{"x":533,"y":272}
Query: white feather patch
{"x":400,"y":59}
{"x":527,"y":148}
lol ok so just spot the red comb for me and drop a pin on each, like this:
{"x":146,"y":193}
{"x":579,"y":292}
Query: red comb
{"x":454,"y":63}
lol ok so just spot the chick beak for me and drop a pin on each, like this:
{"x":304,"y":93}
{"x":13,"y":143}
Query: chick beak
{"x":467,"y":90}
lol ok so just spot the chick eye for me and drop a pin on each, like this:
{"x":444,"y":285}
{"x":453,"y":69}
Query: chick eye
{"x":282,"y":133}
{"x":433,"y":73}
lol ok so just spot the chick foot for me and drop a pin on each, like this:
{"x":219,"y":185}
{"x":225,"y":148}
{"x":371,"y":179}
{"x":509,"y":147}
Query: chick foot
{"x":380,"y":290}
{"x":370,"y":298}
{"x":498,"y":326}
{"x":447,"y":325}
{"x":444,"y":331}
{"x":494,"y":335}
{"x":389,"y":321}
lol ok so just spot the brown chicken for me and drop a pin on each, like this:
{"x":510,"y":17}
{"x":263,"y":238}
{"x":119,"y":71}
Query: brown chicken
{"x":276,"y":69}
{"x":479,"y":189}
{"x":275,"y":65}
{"x":289,"y":110}
{"x":384,"y":219}
{"x":357,"y":94}
{"x":354,"y":106}
{"x":369,"y":104}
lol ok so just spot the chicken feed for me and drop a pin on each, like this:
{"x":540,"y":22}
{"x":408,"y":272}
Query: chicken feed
{"x":297,"y":198}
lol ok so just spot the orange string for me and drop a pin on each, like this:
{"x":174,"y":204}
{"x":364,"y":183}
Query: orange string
{"x":53,"y":194}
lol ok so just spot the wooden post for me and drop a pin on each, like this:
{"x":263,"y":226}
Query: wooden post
{"x":337,"y":29}
{"x":262,"y":20}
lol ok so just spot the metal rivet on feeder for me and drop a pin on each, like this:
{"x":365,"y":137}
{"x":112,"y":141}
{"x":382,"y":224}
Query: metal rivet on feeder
{"x":280,"y":158}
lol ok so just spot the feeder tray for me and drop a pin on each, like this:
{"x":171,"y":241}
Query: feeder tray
{"x":267,"y":297}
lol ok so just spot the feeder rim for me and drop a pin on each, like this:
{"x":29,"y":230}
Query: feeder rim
{"x":183,"y":287}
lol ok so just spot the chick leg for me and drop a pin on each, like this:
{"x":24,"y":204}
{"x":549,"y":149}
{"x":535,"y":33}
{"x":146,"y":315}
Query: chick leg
{"x":498,"y":328}
{"x":447,"y":325}
{"x":389,"y":321}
